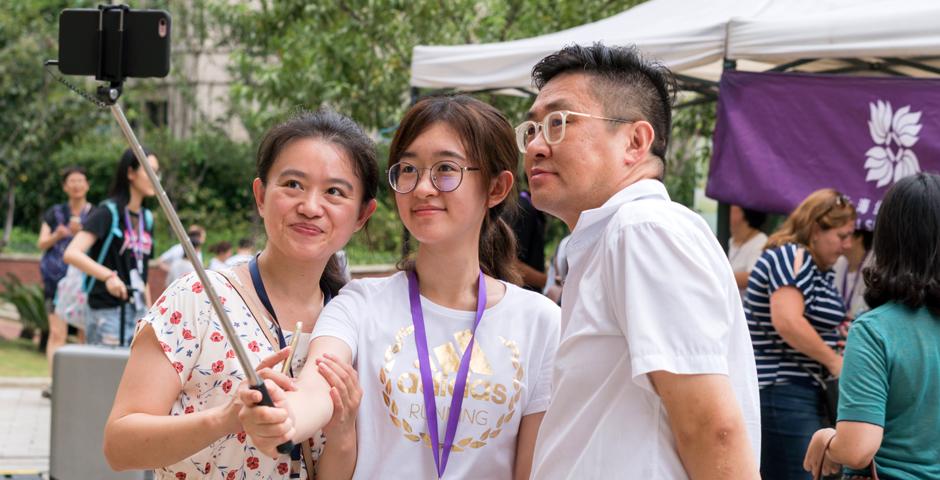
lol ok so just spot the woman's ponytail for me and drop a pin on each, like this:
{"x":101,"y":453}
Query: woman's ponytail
{"x":498,"y":248}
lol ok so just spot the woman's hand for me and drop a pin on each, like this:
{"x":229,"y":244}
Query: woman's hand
{"x":116,"y":286}
{"x":62,"y":232}
{"x":229,"y":416}
{"x":835,"y":366}
{"x":816,"y":454}
{"x":268,"y":427}
{"x":345,"y":393}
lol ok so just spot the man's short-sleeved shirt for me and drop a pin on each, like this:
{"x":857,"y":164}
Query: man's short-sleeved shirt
{"x":648,"y":289}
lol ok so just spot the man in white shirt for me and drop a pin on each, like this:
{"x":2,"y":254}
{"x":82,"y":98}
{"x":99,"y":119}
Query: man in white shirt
{"x":655,"y":375}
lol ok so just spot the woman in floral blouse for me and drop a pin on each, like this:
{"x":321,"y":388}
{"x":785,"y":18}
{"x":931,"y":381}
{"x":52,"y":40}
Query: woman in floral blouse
{"x":176,"y":409}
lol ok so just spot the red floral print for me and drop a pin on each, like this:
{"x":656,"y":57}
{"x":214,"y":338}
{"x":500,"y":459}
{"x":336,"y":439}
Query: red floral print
{"x":188,"y":332}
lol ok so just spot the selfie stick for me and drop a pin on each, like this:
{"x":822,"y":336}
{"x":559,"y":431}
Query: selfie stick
{"x":108,"y":95}
{"x":177,"y":227}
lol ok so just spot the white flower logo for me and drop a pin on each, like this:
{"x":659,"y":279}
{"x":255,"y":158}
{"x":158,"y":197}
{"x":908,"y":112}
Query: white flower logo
{"x":884,"y":164}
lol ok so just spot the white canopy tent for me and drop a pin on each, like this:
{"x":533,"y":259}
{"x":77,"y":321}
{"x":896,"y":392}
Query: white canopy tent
{"x":698,"y":39}
{"x":694,"y":37}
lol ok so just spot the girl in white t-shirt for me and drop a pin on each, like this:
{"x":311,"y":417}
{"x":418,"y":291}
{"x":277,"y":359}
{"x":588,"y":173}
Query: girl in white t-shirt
{"x":451,"y":165}
{"x":176,"y":410}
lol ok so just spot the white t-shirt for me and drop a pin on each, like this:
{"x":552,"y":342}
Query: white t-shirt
{"x":174,"y":253}
{"x":648,"y":289}
{"x":178,"y":268}
{"x":238,"y":259}
{"x":743,"y":257}
{"x":510,"y":376}
{"x":216,"y":264}
{"x":852,"y":283}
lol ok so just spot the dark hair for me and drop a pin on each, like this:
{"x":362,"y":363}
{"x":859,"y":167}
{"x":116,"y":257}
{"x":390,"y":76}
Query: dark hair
{"x":68,"y":171}
{"x":868,"y":238}
{"x":906,"y":268}
{"x":246,"y":242}
{"x":490,"y":143}
{"x":120,"y":186}
{"x":331,"y":127}
{"x":628,"y":85}
{"x":220,"y":247}
{"x":754,"y":218}
{"x":195,"y":240}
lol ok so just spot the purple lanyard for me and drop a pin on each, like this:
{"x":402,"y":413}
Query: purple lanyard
{"x":137,"y":247}
{"x":427,"y":382}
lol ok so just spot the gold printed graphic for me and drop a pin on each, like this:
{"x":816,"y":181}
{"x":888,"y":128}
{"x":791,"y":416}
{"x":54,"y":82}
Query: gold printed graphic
{"x":479,"y":389}
{"x":447,"y":358}
{"x":478,"y":361}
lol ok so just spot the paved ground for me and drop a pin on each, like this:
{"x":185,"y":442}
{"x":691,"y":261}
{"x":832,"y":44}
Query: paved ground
{"x":24,"y":428}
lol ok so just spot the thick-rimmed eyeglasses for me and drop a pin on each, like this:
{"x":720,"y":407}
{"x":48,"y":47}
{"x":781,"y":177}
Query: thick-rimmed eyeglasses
{"x":446,"y":176}
{"x":552,"y":127}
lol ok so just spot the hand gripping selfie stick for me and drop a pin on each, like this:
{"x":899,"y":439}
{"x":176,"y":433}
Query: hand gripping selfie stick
{"x":108,"y":96}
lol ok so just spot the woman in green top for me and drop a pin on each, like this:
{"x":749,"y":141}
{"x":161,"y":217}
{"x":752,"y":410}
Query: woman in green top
{"x":889,"y":414}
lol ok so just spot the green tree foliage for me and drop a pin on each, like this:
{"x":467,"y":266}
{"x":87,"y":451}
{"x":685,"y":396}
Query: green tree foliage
{"x":355,"y":55}
{"x":37,"y":116}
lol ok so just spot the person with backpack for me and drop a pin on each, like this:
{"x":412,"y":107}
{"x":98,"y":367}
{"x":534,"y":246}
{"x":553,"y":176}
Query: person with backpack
{"x":113,"y":251}
{"x":59,"y":224}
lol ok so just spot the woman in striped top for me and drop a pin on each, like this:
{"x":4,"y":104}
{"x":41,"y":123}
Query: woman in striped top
{"x":793,"y":309}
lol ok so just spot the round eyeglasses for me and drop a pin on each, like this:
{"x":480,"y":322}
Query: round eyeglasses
{"x":446,"y":176}
{"x":552,"y":127}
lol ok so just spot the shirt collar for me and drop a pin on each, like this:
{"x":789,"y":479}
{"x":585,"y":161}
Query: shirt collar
{"x":646,"y":188}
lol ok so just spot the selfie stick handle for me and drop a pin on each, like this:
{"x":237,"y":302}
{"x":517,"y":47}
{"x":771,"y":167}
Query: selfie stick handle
{"x":177,"y":227}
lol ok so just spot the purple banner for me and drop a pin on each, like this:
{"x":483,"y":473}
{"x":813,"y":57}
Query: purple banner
{"x":780,"y":136}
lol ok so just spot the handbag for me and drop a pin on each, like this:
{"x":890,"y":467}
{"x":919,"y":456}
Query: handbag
{"x":71,"y":299}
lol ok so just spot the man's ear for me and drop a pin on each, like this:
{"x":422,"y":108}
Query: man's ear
{"x":258,"y":188}
{"x":641,"y":137}
{"x":500,"y":188}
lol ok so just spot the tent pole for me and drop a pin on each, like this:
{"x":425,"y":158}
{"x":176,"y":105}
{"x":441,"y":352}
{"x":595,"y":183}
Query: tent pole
{"x":724,"y":209}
